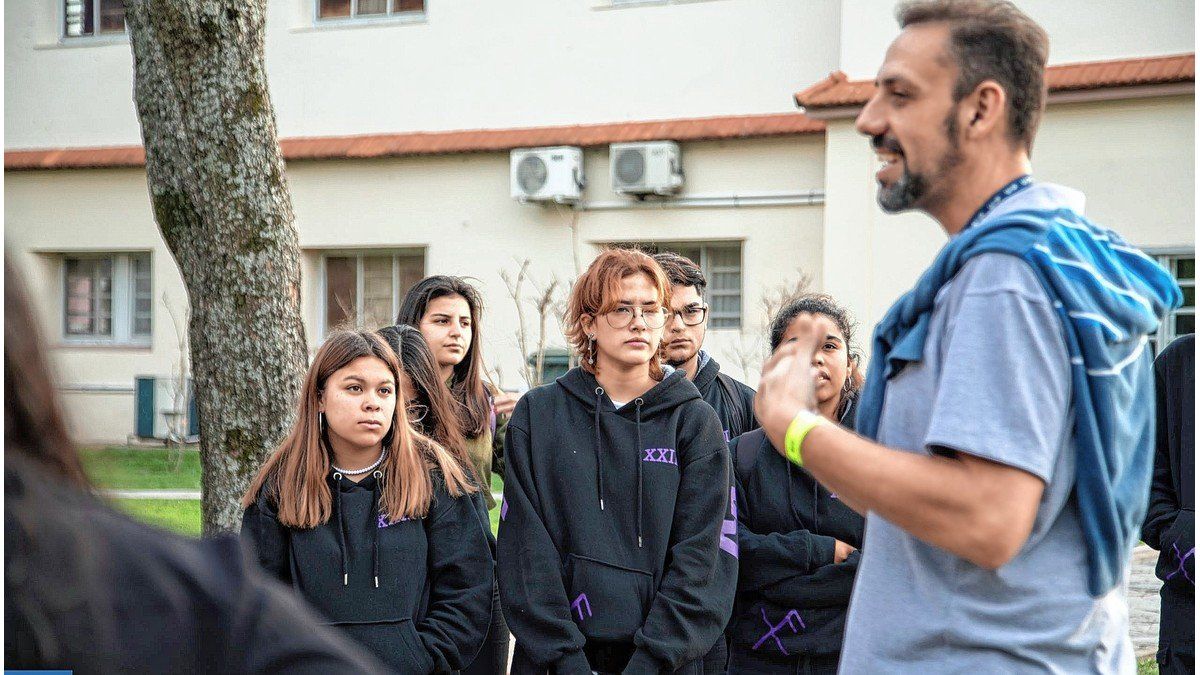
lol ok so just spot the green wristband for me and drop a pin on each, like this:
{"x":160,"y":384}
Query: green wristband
{"x":804,"y":422}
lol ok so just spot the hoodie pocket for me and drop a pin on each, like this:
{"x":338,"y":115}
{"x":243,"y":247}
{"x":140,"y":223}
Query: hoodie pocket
{"x":775,"y":632}
{"x":1176,"y":563}
{"x":396,"y":643}
{"x":609,"y":602}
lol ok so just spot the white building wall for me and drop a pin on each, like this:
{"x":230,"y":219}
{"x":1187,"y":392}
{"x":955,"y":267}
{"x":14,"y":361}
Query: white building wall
{"x":1078,"y":30}
{"x":455,"y":207}
{"x":493,"y":65}
{"x":467,"y":65}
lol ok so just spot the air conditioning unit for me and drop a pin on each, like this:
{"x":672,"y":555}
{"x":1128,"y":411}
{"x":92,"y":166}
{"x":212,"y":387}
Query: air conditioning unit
{"x":547,"y":174}
{"x":653,"y":168}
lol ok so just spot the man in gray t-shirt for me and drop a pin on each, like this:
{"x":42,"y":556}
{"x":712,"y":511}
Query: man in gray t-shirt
{"x":994,"y":383}
{"x":974,"y":558}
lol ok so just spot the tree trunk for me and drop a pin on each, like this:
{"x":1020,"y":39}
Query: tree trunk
{"x":221,"y":200}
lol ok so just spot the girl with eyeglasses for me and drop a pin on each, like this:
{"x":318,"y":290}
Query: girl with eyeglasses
{"x":371,"y":521}
{"x":430,"y":408}
{"x":617,"y":546}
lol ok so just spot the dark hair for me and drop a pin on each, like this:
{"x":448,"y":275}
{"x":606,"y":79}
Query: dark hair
{"x":441,"y":420}
{"x":681,"y":271}
{"x":992,"y":40}
{"x":825,"y":305}
{"x":474,"y":409}
{"x":34,"y":425}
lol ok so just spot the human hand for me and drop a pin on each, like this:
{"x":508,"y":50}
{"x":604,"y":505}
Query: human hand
{"x":841,"y":550}
{"x":788,"y":379}
{"x":505,"y":402}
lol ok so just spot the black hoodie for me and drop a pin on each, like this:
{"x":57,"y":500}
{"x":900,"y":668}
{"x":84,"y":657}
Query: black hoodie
{"x":416,"y":592}
{"x":733,"y":401}
{"x":616,"y":528}
{"x":792,"y":596}
{"x":89,"y":590}
{"x":1170,"y":524}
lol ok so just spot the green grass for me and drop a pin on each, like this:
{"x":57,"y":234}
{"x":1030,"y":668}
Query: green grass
{"x":177,"y":515}
{"x":141,"y":468}
{"x":1147,"y":666}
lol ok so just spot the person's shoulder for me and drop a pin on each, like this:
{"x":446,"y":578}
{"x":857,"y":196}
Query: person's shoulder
{"x":738,"y":386}
{"x":996,"y":273}
{"x":1179,"y":354}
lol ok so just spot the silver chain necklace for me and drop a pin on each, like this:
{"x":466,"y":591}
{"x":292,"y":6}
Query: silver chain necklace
{"x":356,"y":472}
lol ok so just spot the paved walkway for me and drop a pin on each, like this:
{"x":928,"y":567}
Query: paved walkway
{"x":1143,"y":601}
{"x":152,"y":494}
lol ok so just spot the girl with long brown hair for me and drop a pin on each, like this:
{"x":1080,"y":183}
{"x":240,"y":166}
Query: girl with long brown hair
{"x":617,"y":545}
{"x":430,"y":408}
{"x":371,"y":521}
{"x":89,"y":590}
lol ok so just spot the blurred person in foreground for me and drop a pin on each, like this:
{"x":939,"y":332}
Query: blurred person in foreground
{"x":88,"y":589}
{"x":1006,"y":426}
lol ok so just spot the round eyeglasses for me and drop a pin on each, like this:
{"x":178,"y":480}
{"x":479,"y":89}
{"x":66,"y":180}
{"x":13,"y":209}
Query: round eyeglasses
{"x":622,"y":316}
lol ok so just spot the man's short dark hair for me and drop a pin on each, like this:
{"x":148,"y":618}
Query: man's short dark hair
{"x":992,"y":40}
{"x":681,"y":271}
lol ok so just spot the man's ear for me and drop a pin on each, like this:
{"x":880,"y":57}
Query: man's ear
{"x":986,"y":110}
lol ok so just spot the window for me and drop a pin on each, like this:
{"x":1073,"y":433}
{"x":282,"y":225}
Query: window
{"x":83,"y":18}
{"x":721,"y":263}
{"x":368,"y":9}
{"x":365,"y":290}
{"x":107,"y":299}
{"x":1182,"y":320}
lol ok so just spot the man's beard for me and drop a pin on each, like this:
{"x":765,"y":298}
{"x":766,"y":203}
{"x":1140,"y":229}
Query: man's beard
{"x":674,"y":362}
{"x":913,"y":188}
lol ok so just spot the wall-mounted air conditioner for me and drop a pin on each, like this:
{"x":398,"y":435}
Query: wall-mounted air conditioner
{"x":547,"y":174}
{"x":651,"y":168}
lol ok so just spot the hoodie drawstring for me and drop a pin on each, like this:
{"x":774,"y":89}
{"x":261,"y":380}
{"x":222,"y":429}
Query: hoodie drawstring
{"x":375,"y":530}
{"x":599,"y":464}
{"x":638,"y":409}
{"x":337,"y":477}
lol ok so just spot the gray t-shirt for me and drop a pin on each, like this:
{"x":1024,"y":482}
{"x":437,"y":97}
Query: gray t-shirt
{"x":994,"y":382}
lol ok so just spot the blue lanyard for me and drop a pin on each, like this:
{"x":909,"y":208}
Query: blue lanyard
{"x":1017,"y":184}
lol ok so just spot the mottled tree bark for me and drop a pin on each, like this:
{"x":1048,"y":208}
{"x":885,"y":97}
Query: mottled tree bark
{"x":221,"y":200}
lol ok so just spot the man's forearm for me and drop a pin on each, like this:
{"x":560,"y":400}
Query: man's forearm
{"x":975,"y":509}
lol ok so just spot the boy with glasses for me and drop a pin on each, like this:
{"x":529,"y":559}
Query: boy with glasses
{"x":683,"y":341}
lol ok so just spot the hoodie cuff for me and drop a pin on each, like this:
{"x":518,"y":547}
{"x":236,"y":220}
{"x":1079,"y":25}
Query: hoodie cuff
{"x":571,"y":663}
{"x":821,"y":552}
{"x":643,"y":662}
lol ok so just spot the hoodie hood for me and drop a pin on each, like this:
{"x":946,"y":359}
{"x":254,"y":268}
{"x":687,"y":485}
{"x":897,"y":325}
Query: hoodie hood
{"x":673,"y":391}
{"x":706,"y":371}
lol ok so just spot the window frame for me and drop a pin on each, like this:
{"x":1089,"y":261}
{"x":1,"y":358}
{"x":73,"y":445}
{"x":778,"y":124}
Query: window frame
{"x":358,"y":254}
{"x":1169,"y":258}
{"x":390,"y":16}
{"x":709,"y":272}
{"x":96,"y":37}
{"x":123,"y":291}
